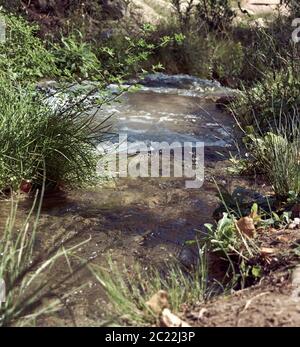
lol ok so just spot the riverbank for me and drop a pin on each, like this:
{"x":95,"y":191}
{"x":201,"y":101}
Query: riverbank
{"x":273,"y":302}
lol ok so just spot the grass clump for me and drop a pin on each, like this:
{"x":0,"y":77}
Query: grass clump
{"x":276,"y":154}
{"x":129,"y":289}
{"x":30,"y":289}
{"x":38,"y":138}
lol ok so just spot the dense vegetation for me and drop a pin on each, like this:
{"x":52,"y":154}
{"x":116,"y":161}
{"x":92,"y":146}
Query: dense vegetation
{"x":51,"y":134}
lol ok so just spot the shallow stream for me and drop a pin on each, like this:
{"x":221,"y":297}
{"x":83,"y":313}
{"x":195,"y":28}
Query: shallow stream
{"x":147,"y":219}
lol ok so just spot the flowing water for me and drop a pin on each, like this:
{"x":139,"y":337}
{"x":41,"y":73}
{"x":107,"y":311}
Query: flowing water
{"x":147,"y":219}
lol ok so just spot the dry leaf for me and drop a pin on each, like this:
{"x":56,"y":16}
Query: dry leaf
{"x":158,"y":302}
{"x":170,"y":320}
{"x":246,"y":226}
{"x":272,"y":230}
{"x":282,"y":238}
{"x":266,"y":251}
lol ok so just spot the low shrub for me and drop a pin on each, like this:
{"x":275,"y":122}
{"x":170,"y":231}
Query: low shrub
{"x":190,"y":56}
{"x":208,"y":15}
{"x":227,"y":61}
{"x":24,"y":56}
{"x":216,"y":15}
{"x":75,"y":58}
{"x":205,"y":56}
{"x":262,"y":104}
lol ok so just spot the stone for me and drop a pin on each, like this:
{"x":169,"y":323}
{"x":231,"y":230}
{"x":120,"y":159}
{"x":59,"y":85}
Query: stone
{"x":158,"y":302}
{"x":170,"y":320}
{"x":267,"y":251}
{"x":113,"y":9}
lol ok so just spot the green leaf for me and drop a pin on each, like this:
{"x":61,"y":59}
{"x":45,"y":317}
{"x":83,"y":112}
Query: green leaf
{"x":256,"y":271}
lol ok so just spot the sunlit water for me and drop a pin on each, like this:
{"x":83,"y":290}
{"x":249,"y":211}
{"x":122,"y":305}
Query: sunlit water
{"x":160,"y":210}
{"x":173,"y":109}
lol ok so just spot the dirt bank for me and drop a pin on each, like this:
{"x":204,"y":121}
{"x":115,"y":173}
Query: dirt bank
{"x":273,"y":302}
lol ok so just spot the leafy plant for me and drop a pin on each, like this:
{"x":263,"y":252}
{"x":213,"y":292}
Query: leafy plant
{"x":24,"y":57}
{"x":229,"y":243}
{"x":123,"y":57}
{"x":75,"y":58}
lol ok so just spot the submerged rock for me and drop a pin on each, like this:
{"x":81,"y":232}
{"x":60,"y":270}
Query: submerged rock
{"x":178,"y":81}
{"x":189,"y":257}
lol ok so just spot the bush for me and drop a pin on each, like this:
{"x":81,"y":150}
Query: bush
{"x":74,"y":57}
{"x":123,"y":57}
{"x":206,"y":56}
{"x":189,"y":54}
{"x":277,"y":94}
{"x":37,"y":139}
{"x":216,"y":15}
{"x":267,"y":49}
{"x":112,"y":60}
{"x":227,"y":61}
{"x":23,"y":55}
